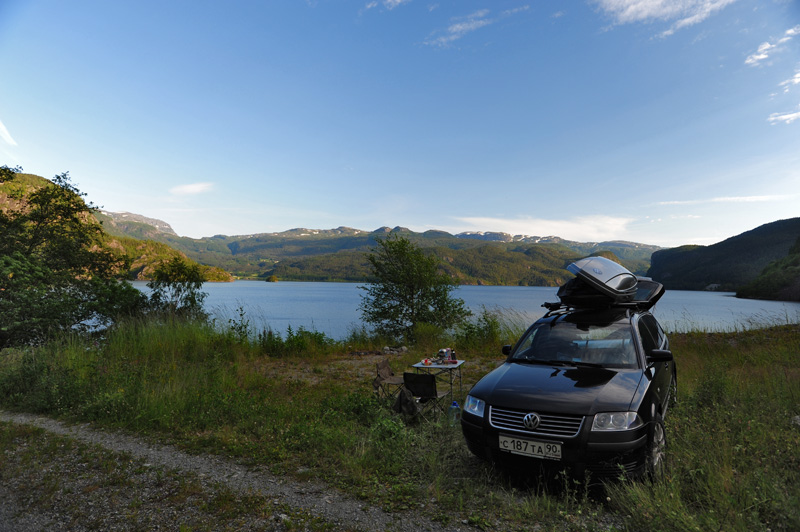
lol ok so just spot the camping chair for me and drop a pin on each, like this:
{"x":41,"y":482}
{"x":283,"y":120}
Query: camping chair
{"x":423,"y":387}
{"x":386,"y":384}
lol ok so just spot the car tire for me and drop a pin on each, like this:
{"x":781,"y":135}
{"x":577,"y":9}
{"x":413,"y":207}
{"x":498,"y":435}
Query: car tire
{"x":656,"y":450}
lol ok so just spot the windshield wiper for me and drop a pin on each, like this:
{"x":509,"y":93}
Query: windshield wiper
{"x":588,"y":364}
{"x":555,"y":362}
{"x":535,"y":361}
{"x":542,"y":362}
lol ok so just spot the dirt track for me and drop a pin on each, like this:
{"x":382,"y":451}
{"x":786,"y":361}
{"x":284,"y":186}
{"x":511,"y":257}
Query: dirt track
{"x":147,"y":498}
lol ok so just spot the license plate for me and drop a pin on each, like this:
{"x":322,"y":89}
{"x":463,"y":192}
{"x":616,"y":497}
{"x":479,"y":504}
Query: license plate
{"x":539,"y":449}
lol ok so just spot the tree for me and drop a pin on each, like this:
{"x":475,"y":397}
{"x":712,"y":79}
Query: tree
{"x":176,"y":288}
{"x":55,"y":273}
{"x":410,"y":290}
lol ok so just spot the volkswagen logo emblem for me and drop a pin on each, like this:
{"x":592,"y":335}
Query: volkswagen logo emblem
{"x":531,"y":421}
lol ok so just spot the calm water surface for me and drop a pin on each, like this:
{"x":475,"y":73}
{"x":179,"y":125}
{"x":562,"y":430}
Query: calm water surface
{"x":332,"y":308}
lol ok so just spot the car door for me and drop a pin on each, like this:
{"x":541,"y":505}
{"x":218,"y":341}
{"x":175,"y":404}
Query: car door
{"x":654,"y":338}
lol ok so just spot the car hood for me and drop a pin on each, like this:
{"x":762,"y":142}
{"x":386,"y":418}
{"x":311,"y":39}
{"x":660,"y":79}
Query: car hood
{"x":559,"y":389}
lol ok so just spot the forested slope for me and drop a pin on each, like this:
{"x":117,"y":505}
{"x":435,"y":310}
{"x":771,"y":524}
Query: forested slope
{"x":727,"y":265}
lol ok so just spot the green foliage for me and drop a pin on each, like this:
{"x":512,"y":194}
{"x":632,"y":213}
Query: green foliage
{"x":297,"y":343}
{"x":339,"y":266}
{"x":176,"y":288}
{"x":780,"y":280}
{"x":53,"y":226}
{"x":55,"y":274}
{"x":486,"y":329}
{"x":409,"y":291}
{"x":499,"y":264}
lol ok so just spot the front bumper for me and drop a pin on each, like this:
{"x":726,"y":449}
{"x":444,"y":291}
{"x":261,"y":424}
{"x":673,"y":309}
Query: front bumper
{"x":602,"y":455}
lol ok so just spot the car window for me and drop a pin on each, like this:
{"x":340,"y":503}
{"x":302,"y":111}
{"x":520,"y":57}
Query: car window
{"x":649,"y":331}
{"x":663,"y":341}
{"x":609,"y":345}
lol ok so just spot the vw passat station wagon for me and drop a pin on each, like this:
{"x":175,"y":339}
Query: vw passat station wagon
{"x":587,"y":386}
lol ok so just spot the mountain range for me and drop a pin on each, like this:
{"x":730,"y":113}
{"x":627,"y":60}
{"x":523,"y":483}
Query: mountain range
{"x":763,"y":262}
{"x":339,"y":254}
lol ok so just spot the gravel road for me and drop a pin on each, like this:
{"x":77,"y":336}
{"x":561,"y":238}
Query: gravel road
{"x":321,"y":505}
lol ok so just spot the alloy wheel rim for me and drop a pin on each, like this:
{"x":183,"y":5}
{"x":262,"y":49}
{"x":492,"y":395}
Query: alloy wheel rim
{"x":657,"y":449}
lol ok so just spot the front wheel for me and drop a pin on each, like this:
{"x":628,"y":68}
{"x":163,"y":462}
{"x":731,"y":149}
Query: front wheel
{"x":656,"y":449}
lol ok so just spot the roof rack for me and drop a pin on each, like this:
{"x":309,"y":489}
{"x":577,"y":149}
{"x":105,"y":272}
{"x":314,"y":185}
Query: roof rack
{"x":556,"y":308}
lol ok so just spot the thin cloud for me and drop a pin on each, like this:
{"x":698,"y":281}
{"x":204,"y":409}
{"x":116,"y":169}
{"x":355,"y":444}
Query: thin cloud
{"x":786,"y":118}
{"x":794,"y":80}
{"x":391,"y":4}
{"x":388,"y":4}
{"x":6,"y":136}
{"x":584,"y":229}
{"x":685,"y":13}
{"x":461,"y":26}
{"x":766,"y":49}
{"x":730,"y":199}
{"x":191,"y":189}
{"x":509,"y":12}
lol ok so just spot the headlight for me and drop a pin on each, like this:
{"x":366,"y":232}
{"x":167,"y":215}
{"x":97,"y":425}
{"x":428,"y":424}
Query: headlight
{"x":474,"y":406}
{"x":616,"y":421}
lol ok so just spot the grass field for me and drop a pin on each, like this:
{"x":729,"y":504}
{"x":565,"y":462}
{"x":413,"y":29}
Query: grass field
{"x":303,"y":405}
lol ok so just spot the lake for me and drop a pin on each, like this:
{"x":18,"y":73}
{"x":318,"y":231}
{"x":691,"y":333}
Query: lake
{"x":332,"y":308}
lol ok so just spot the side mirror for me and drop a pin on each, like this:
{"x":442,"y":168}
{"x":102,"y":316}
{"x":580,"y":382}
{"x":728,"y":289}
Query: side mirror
{"x":506,"y":350}
{"x":659,"y":355}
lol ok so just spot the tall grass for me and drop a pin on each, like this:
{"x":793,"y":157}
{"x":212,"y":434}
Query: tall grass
{"x":734,"y":459}
{"x":302,"y":404}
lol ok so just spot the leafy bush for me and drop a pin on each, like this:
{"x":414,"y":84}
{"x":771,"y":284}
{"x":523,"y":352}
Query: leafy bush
{"x":486,"y":329}
{"x":409,"y":290}
{"x":55,"y":272}
{"x":176,"y":288}
{"x":297,"y":343}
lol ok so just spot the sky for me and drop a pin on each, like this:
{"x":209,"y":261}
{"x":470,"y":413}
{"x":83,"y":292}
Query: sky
{"x":665,"y":122}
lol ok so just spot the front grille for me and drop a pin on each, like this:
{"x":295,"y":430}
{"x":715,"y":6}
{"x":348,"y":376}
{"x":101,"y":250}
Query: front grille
{"x":551,"y":425}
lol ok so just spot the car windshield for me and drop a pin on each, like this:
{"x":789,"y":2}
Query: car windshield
{"x":603,"y":344}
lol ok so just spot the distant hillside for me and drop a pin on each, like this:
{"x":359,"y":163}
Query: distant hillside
{"x":338,"y":254}
{"x":489,"y":264}
{"x":779,"y":281}
{"x":134,"y":225}
{"x":726,"y":265}
{"x":146,"y":255}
